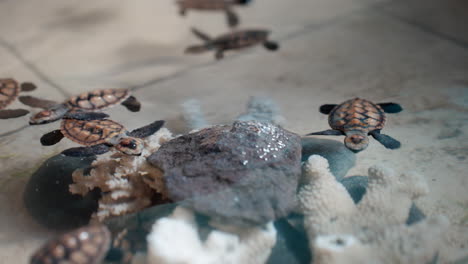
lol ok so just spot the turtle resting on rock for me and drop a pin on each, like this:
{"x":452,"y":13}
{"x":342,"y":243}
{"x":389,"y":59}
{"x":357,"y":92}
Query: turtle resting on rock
{"x":232,"y":41}
{"x":356,"y":119}
{"x":213,"y":5}
{"x":98,"y":134}
{"x":96,"y":100}
{"x":9,"y":90}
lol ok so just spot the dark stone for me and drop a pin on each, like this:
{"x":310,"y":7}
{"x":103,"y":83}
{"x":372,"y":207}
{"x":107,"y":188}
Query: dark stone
{"x":48,"y":200}
{"x":292,"y":244}
{"x":340,"y":158}
{"x":246,"y":173}
{"x":415,"y":215}
{"x":357,"y":185}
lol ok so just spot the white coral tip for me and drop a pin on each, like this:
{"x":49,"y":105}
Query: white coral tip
{"x":380,"y":173}
{"x":317,"y":166}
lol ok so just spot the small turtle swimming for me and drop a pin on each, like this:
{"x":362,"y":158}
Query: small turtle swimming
{"x":96,"y":100}
{"x":86,"y":245}
{"x":356,"y":119}
{"x":98,"y":134}
{"x":213,"y":5}
{"x":232,"y":41}
{"x":9,"y":90}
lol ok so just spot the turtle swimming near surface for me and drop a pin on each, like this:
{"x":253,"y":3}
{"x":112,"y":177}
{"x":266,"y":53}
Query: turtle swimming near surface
{"x":98,"y":134}
{"x":9,"y":90}
{"x":232,"y":41}
{"x":213,"y":5}
{"x":356,"y":119}
{"x":96,"y":100}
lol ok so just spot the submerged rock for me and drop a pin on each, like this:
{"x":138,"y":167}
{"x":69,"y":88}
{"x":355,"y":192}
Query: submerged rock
{"x":340,"y":158}
{"x":246,"y":173}
{"x":48,"y":200}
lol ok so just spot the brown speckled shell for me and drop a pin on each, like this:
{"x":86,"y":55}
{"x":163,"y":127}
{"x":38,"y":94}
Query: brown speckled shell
{"x":204,"y":4}
{"x":9,"y":90}
{"x":357,"y":114}
{"x":86,"y":245}
{"x":98,"y":99}
{"x":90,"y":132}
{"x":241,"y":39}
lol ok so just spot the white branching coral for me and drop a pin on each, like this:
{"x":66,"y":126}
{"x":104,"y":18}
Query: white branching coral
{"x":175,"y":240}
{"x":127,"y":183}
{"x":374,"y":230}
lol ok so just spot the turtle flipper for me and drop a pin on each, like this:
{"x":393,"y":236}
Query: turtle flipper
{"x":201,"y":35}
{"x":385,"y":140}
{"x":12,"y":113}
{"x":28,"y":87}
{"x":329,"y":132}
{"x":36,"y":102}
{"x":270,"y":45}
{"x":327,"y":108}
{"x":232,"y":18}
{"x":148,"y":130}
{"x":52,"y":138}
{"x":85,"y":115}
{"x":86,"y":151}
{"x":391,"y":108}
{"x":132,"y":104}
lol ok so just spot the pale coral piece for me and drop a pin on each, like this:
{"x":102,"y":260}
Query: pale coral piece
{"x":175,"y":240}
{"x":374,"y":230}
{"x":127,"y":182}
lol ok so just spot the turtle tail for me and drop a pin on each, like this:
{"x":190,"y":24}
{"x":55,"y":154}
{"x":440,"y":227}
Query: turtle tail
{"x":196,"y":49}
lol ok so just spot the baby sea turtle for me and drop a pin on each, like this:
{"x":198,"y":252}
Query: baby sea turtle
{"x":90,"y":101}
{"x":9,"y":90}
{"x":232,"y":41}
{"x":213,"y":5}
{"x":98,"y":134}
{"x":356,"y":119}
{"x":85,"y":245}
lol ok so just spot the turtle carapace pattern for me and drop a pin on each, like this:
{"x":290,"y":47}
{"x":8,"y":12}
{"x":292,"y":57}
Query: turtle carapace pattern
{"x":98,"y":134}
{"x":232,"y":41}
{"x":213,"y":5}
{"x":96,"y":100}
{"x":356,"y":119}
{"x":9,"y":91}
{"x":85,"y":245}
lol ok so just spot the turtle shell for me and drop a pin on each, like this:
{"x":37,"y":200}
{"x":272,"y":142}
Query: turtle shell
{"x":98,"y":99}
{"x":9,"y":90}
{"x":241,"y":39}
{"x":86,"y":245}
{"x":357,"y":114}
{"x":91,"y":132}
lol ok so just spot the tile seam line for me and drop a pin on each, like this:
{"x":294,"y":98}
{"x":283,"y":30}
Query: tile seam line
{"x":304,"y":30}
{"x":32,"y":67}
{"x":422,"y":28}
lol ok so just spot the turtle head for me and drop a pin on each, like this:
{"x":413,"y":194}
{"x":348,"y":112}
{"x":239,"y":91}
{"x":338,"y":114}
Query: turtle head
{"x":356,"y":141}
{"x":130,"y":146}
{"x":49,"y":115}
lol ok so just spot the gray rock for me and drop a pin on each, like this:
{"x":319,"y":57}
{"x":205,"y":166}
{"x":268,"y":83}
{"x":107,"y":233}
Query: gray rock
{"x":246,"y":173}
{"x":340,"y":158}
{"x":48,"y":200}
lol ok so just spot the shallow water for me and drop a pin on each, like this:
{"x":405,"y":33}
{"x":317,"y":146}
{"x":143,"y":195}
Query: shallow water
{"x":330,"y":51}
